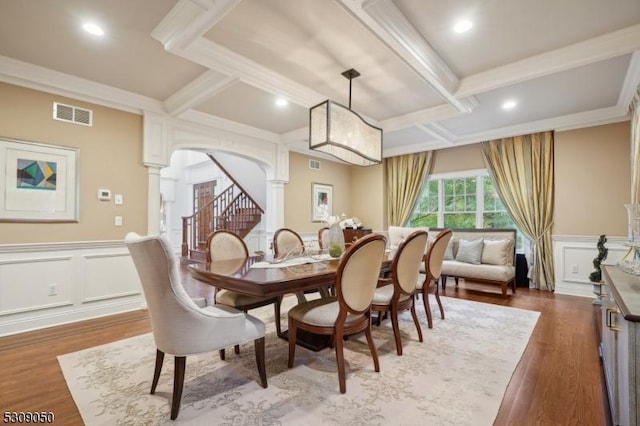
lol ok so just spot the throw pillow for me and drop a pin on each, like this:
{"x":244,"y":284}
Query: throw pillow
{"x":497,"y":252}
{"x":448,"y":252}
{"x":470,"y":251}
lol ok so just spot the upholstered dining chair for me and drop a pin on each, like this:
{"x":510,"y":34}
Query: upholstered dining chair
{"x":432,"y":271}
{"x":226,"y":245}
{"x":349,"y":312}
{"x":323,"y":237}
{"x":178,"y":325}
{"x":286,"y":242}
{"x":398,"y":293}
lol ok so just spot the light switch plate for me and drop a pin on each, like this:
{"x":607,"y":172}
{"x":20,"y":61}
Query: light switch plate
{"x":117,"y":199}
{"x":118,"y":221}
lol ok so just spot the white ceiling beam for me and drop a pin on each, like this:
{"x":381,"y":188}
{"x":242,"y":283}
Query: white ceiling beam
{"x":189,"y":20}
{"x":219,"y":58}
{"x":597,"y":49}
{"x":198,"y":91}
{"x":386,"y":21}
{"x":437,"y":113}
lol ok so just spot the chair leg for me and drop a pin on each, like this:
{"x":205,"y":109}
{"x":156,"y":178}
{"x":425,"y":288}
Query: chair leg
{"x":259,"y":345}
{"x":178,"y":383}
{"x":372,"y":349}
{"x":416,"y":322}
{"x":276,"y":313}
{"x":340,"y":360}
{"x":396,"y":330}
{"x":427,"y":308}
{"x":292,"y":344}
{"x":156,"y":373}
{"x":301,"y":297}
{"x":222,"y":355}
{"x":379,"y":318}
{"x":439,"y":302}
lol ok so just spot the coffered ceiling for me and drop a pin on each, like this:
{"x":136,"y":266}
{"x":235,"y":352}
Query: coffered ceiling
{"x":566,"y":64}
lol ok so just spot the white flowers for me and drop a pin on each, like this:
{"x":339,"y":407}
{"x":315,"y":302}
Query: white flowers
{"x":352,"y":222}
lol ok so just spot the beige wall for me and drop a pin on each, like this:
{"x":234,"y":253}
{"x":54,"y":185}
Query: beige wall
{"x":110,"y":157}
{"x":357,"y":191}
{"x":368,"y":196}
{"x":297,"y":193}
{"x":592,"y":178}
{"x":457,"y":159}
{"x":592,"y":172}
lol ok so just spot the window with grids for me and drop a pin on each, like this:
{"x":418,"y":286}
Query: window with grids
{"x":461,"y":200}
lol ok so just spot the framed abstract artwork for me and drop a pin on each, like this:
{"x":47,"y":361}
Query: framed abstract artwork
{"x":38,"y":182}
{"x":321,"y":201}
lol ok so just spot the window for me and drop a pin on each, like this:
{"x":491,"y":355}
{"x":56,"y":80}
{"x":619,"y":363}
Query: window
{"x":461,"y":200}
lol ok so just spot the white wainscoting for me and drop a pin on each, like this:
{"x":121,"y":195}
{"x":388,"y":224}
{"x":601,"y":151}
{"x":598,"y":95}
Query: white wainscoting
{"x":42,"y":285}
{"x":573,"y":261}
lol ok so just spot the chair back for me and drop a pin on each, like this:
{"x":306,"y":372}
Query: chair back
{"x":435,"y":253}
{"x":171,"y":310}
{"x":223,"y":245}
{"x":323,"y":238}
{"x":358,"y":272}
{"x":408,"y":260}
{"x":285,"y":241}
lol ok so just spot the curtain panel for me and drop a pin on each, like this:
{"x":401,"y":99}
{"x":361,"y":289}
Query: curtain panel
{"x":522,"y":172}
{"x":634,"y":109}
{"x":405,"y":175}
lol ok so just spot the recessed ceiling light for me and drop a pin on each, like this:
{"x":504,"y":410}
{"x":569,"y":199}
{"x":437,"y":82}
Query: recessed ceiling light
{"x":510,"y":104}
{"x":93,"y":28}
{"x":282,"y":102}
{"x":462,"y":26}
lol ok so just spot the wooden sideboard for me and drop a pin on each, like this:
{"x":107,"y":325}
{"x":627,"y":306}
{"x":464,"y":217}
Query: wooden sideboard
{"x":620,"y":344}
{"x":351,"y":235}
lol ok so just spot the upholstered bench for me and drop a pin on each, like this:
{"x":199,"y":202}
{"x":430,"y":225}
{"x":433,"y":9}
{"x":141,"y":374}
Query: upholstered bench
{"x":481,"y":255}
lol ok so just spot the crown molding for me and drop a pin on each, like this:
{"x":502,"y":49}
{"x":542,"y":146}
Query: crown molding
{"x":597,"y":49}
{"x":196,"y":92}
{"x":43,"y":79}
{"x":631,"y":81}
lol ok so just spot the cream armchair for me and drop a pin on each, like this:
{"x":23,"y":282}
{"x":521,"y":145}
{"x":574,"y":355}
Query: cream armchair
{"x":179,"y":326}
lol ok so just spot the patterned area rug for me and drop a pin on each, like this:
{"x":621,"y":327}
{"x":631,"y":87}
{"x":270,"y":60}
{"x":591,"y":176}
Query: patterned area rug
{"x":457,"y":376}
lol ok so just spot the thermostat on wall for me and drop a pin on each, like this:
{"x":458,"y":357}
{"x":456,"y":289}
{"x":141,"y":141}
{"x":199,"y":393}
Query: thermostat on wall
{"x":104,"y":194}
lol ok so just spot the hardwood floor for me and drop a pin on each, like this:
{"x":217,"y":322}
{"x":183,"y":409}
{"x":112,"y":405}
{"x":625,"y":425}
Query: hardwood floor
{"x":559,"y":379}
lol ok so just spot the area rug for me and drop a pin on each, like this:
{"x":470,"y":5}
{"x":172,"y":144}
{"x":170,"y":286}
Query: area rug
{"x":457,"y":376}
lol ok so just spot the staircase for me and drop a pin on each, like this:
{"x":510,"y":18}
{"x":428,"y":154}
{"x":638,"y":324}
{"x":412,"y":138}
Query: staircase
{"x":233,"y":210}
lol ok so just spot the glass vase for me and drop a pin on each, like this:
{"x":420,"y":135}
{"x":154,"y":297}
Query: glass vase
{"x":335,"y":240}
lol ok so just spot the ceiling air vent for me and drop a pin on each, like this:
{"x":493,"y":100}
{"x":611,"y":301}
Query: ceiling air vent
{"x":314,"y":164}
{"x":72,"y":114}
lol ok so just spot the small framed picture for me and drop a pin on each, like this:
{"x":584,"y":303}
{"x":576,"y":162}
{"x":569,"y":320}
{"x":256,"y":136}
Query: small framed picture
{"x":321,"y":201}
{"x":38,"y":182}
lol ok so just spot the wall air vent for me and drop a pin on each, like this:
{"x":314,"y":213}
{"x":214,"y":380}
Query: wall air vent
{"x":314,"y":164}
{"x":72,"y":114}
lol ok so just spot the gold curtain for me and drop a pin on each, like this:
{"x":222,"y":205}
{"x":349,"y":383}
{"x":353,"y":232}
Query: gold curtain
{"x":634,"y":108}
{"x":522,"y":171}
{"x":405,"y":175}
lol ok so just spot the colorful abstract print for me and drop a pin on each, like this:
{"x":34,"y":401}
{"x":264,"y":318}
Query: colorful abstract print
{"x":34,"y":174}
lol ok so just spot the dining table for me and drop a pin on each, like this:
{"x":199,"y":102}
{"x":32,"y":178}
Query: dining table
{"x":264,"y":276}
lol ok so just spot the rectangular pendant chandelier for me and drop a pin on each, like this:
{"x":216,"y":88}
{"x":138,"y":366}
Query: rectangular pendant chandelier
{"x":339,"y":131}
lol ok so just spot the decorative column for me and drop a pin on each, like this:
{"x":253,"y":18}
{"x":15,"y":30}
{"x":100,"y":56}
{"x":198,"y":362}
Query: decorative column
{"x":153,"y":201}
{"x":274,"y":213}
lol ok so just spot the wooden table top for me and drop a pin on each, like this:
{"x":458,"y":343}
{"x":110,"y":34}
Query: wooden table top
{"x":238,"y":275}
